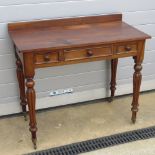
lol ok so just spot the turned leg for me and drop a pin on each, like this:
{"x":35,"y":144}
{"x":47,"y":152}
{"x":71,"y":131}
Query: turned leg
{"x":21,"y":82}
{"x":114,"y":63}
{"x":137,"y":77}
{"x":31,"y":97}
{"x":29,"y":71}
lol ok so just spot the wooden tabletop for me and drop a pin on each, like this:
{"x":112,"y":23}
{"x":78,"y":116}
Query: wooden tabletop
{"x":60,"y":34}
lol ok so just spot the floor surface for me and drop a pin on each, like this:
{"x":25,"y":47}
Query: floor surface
{"x":81,"y":122}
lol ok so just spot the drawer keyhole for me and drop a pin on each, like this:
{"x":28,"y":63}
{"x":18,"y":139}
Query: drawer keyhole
{"x":90,"y":53}
{"x":128,"y":48}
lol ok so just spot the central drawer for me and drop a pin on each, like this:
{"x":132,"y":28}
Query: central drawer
{"x":86,"y":53}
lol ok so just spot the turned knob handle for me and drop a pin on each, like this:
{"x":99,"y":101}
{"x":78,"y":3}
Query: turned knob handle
{"x":90,"y":53}
{"x":46,"y":57}
{"x":128,"y":48}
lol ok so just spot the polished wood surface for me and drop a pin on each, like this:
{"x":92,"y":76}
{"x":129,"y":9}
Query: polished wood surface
{"x":73,"y":35}
{"x":59,"y":42}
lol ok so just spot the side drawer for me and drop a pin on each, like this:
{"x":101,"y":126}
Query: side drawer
{"x":48,"y":57}
{"x":125,"y":48}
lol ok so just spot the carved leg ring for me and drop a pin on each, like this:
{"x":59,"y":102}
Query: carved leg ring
{"x":21,"y":81}
{"x":114,"y":63}
{"x":31,"y":104}
{"x":136,"y":88}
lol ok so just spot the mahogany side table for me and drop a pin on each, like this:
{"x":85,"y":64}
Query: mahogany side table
{"x":48,"y":43}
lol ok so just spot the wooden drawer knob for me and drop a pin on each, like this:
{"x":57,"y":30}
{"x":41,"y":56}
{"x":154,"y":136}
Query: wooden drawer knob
{"x":61,"y":56}
{"x":90,"y":53}
{"x":128,"y":48}
{"x":46,"y":57}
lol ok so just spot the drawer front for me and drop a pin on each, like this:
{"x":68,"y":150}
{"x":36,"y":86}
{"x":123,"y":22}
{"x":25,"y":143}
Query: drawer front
{"x":49,"y":57}
{"x":125,"y":48}
{"x":87,"y":53}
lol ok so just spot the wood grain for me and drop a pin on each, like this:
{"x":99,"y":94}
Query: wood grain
{"x":73,"y":35}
